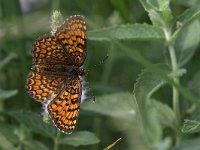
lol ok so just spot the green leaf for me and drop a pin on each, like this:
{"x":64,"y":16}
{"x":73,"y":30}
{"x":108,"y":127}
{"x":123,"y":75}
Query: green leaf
{"x":191,"y":126}
{"x":122,"y":8}
{"x":164,"y":144}
{"x":184,"y":19}
{"x":189,"y":15}
{"x":159,"y":11}
{"x":6,"y":94}
{"x":8,"y":139}
{"x":118,"y":105}
{"x":136,"y":56}
{"x":165,"y":114}
{"x":80,"y":138}
{"x":187,"y":42}
{"x":7,"y":59}
{"x":9,"y":133}
{"x":192,"y":144}
{"x":5,"y":143}
{"x":147,"y":83}
{"x":34,"y":145}
{"x":34,"y":122}
{"x":189,"y":3}
{"x":127,"y":32}
{"x":194,"y":85}
{"x":158,"y":5}
{"x":156,"y":18}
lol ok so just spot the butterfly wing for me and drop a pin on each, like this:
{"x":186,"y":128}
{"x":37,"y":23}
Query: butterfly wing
{"x":72,"y":36}
{"x":46,"y":50}
{"x":64,"y":109}
{"x":43,"y":87}
{"x":66,"y":47}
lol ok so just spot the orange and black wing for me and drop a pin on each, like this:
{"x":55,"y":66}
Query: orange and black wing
{"x":46,"y":50}
{"x":64,"y":109}
{"x":72,"y":36}
{"x":43,"y":87}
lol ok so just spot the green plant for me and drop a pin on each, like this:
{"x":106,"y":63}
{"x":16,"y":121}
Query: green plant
{"x":181,"y":37}
{"x":162,"y":111}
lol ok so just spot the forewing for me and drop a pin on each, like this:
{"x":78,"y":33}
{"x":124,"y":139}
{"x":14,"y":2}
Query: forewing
{"x":46,"y":50}
{"x":43,"y":87}
{"x":64,"y":109}
{"x":72,"y":36}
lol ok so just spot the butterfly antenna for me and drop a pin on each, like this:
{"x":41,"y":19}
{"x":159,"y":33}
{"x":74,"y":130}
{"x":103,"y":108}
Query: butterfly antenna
{"x":88,"y":70}
{"x":102,"y":61}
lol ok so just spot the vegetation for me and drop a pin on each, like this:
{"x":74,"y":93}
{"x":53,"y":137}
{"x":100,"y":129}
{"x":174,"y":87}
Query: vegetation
{"x":147,"y":91}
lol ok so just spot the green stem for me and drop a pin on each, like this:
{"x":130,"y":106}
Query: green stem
{"x":56,"y":141}
{"x":176,"y":105}
{"x":176,"y":79}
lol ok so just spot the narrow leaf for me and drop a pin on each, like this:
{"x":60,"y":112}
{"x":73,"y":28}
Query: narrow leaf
{"x":193,"y":144}
{"x":34,"y":145}
{"x":118,"y":105}
{"x":159,"y":11}
{"x":147,"y":83}
{"x":184,"y":19}
{"x":122,"y":8}
{"x":158,"y":5}
{"x":6,"y":94}
{"x":165,"y":114}
{"x":164,"y":144}
{"x":34,"y":122}
{"x":187,"y":42}
{"x":80,"y":138}
{"x":191,"y":126}
{"x":8,"y":132}
{"x":125,"y":32}
{"x":189,"y":15}
{"x":5,"y":143}
{"x":189,"y":3}
{"x":7,"y":59}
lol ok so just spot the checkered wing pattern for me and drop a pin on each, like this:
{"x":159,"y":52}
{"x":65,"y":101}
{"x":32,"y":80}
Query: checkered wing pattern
{"x":43,"y":87}
{"x":46,"y":50}
{"x":50,"y":82}
{"x":64,"y":109}
{"x":72,"y":36}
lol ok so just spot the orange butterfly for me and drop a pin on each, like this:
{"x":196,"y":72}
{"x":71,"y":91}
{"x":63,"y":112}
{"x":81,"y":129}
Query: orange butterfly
{"x":54,"y":78}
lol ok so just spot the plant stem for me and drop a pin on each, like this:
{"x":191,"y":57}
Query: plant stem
{"x":176,"y":106}
{"x":176,"y":79}
{"x":56,"y":141}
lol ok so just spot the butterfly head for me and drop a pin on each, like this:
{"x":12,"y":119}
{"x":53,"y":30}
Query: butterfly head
{"x":82,"y":72}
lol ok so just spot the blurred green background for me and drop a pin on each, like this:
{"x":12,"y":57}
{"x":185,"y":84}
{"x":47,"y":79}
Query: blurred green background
{"x":23,"y":21}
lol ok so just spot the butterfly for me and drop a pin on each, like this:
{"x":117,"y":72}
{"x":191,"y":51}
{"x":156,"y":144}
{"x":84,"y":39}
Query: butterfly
{"x":55,"y":77}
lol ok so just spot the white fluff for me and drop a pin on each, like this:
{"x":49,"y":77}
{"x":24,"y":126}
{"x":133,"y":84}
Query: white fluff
{"x":84,"y":89}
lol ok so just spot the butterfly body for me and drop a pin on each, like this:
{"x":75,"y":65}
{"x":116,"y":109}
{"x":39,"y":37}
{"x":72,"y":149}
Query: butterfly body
{"x":54,"y":79}
{"x":62,"y":70}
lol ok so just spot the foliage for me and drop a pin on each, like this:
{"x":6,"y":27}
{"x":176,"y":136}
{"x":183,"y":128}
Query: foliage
{"x":146,"y":92}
